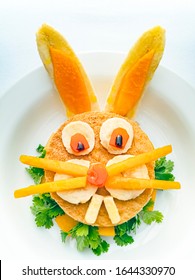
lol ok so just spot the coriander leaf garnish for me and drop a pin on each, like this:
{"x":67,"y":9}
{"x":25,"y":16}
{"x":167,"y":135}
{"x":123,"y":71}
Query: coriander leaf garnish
{"x":63,"y":236}
{"x":82,"y":230}
{"x":148,"y":205}
{"x":45,"y":209}
{"x":41,"y":150}
{"x":122,"y":236}
{"x":88,"y":237}
{"x":121,"y":229}
{"x":133,"y":224}
{"x":163,"y":169}
{"x":123,"y":232}
{"x":35,"y":172}
{"x":82,"y":242}
{"x":148,"y":216}
{"x":102,"y":247}
{"x":151,"y":216}
{"x":123,"y":240}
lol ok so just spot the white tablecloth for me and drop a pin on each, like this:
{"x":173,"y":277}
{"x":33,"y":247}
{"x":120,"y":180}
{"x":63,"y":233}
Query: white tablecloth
{"x":88,"y":25}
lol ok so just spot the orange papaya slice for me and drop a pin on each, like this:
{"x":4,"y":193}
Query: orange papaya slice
{"x":66,"y":71}
{"x":132,"y":85}
{"x":150,"y":46}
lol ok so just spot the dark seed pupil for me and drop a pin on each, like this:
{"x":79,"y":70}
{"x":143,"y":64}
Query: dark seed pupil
{"x":119,"y":141}
{"x":80,"y":146}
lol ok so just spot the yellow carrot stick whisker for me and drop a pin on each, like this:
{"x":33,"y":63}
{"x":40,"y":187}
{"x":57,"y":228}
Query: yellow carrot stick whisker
{"x":61,"y":167}
{"x":56,"y":186}
{"x":140,"y":184}
{"x":140,"y":159}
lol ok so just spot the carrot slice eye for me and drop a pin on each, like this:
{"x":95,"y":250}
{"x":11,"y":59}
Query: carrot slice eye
{"x":79,"y":143}
{"x":119,"y":138}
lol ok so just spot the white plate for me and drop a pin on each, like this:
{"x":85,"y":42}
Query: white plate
{"x":30,"y":111}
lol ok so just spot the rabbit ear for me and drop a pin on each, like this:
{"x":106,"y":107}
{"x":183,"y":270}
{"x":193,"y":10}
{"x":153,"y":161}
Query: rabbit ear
{"x":135,"y":73}
{"x":66,"y":71}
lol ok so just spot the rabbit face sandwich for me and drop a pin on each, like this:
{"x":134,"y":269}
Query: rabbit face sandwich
{"x":100,"y":169}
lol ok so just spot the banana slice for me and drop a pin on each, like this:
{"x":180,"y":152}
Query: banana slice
{"x":74,"y":128}
{"x":107,"y":129}
{"x":138,"y":172}
{"x":79,"y":195}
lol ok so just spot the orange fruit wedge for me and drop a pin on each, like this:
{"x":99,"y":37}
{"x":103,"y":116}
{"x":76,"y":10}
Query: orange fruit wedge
{"x":65,"y":222}
{"x":135,"y":73}
{"x":66,"y":71}
{"x":106,"y":231}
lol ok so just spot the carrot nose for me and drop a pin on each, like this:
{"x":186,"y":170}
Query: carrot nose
{"x":97,"y":175}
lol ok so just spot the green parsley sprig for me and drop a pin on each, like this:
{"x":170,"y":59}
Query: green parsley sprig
{"x":87,"y":237}
{"x":45,"y":209}
{"x":122,"y":232}
{"x":148,"y":216}
{"x":163,"y":169}
{"x":35,"y":172}
{"x":123,"y":236}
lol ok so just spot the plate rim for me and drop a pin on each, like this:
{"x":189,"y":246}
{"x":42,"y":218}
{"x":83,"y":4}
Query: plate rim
{"x":83,"y":54}
{"x":92,"y":53}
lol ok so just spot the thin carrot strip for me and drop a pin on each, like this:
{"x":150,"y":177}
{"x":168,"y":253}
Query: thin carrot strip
{"x":132,"y":162}
{"x":56,"y":186}
{"x":140,"y":184}
{"x":55,"y":165}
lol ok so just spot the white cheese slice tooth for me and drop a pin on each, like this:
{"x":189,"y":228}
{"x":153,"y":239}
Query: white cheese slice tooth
{"x":112,"y":209}
{"x":93,"y":209}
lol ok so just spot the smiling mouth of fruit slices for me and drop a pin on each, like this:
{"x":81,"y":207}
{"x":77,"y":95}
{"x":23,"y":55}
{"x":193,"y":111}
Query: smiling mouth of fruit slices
{"x":97,"y":175}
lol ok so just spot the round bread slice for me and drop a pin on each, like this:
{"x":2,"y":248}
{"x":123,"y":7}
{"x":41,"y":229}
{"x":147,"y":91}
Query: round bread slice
{"x":56,"y":150}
